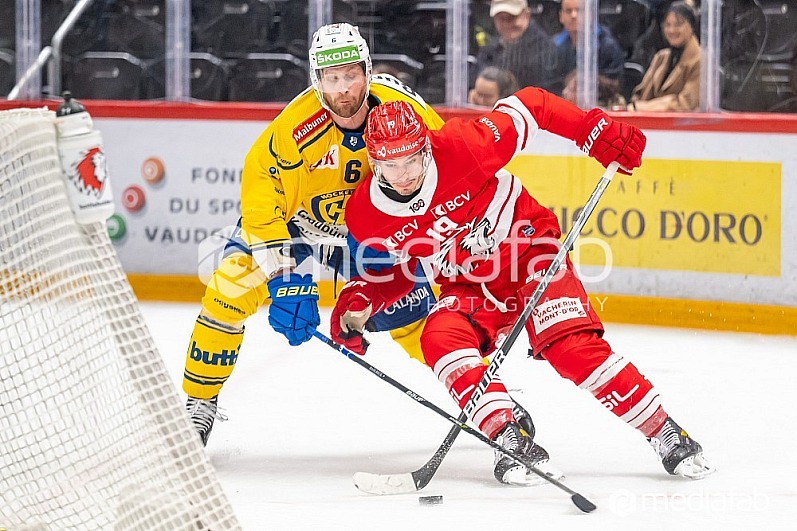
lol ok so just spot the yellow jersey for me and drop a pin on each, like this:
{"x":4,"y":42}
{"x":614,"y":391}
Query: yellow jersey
{"x":303,"y":168}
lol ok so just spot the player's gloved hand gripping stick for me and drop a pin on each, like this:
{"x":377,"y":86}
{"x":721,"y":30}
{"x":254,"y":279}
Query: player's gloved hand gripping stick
{"x":294,"y":307}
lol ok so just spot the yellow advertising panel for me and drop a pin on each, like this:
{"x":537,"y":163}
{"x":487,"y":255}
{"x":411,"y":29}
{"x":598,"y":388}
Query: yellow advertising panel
{"x":687,"y":215}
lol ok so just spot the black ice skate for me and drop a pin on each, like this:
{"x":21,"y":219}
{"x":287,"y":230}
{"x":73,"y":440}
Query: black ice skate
{"x":523,"y":419}
{"x":203,"y":413}
{"x":515,"y":439}
{"x":680,"y":454}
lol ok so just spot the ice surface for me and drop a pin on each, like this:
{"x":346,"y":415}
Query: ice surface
{"x":304,"y":419}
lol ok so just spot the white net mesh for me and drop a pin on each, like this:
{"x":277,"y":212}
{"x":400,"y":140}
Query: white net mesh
{"x":93,"y":434}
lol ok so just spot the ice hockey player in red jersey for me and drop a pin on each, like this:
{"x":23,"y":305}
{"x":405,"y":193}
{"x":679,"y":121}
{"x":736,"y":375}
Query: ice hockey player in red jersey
{"x":442,"y":198}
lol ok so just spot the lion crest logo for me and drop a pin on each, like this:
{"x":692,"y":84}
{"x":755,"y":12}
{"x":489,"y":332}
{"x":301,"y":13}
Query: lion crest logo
{"x":89,"y":173}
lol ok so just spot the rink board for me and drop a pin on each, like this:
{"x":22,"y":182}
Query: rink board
{"x":699,"y":236}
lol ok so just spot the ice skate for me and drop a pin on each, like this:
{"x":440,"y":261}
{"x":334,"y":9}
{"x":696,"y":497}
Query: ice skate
{"x":203,"y":413}
{"x":515,"y":439}
{"x":680,"y":454}
{"x":523,"y":418}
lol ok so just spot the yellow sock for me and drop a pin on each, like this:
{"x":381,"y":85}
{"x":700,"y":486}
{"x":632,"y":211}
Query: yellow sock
{"x":212,"y":353}
{"x":409,"y":337}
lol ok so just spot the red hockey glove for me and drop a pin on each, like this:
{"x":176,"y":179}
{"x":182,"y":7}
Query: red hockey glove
{"x":352,"y":310}
{"x":607,"y":140}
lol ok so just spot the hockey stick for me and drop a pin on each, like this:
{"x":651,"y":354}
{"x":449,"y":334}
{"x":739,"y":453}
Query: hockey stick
{"x":423,"y":475}
{"x":404,"y":483}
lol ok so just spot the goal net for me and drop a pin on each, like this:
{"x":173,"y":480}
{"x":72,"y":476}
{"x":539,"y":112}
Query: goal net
{"x":93,"y":435}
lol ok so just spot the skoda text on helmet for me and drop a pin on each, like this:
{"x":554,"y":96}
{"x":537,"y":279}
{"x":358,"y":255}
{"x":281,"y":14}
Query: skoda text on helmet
{"x":337,"y":45}
{"x":395,"y":131}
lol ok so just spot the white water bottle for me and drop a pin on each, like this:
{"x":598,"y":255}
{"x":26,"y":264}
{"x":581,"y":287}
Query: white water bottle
{"x":84,"y":164}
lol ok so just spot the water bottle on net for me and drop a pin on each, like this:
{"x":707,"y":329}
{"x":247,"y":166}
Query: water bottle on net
{"x":84,"y":163}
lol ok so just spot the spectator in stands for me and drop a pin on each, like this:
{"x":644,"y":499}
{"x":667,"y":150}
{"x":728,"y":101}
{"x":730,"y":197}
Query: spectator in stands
{"x":492,"y":84}
{"x":609,"y":96}
{"x":522,"y":47}
{"x":652,"y":40}
{"x":610,"y":54}
{"x":672,"y":83}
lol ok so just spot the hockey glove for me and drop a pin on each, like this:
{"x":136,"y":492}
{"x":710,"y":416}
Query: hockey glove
{"x":294,"y":307}
{"x":350,"y":316}
{"x":607,"y":140}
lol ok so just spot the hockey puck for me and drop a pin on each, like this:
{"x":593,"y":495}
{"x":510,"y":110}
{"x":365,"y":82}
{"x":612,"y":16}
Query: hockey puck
{"x":430,"y":500}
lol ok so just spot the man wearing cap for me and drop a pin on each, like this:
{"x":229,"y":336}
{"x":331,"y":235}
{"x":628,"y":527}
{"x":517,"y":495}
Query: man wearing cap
{"x":522,"y":47}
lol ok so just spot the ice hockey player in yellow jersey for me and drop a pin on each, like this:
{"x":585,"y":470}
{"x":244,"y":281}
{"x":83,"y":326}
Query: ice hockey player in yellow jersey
{"x":297,"y":178}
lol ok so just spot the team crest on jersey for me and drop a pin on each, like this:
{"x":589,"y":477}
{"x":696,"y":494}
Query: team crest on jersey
{"x":89,"y":173}
{"x":329,"y":207}
{"x":468,"y":241}
{"x":329,"y":160}
{"x":311,"y":124}
{"x":353,"y":141}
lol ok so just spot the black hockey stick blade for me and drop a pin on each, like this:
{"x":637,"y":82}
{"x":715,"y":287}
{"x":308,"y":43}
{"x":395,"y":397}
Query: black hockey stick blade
{"x":582,"y":503}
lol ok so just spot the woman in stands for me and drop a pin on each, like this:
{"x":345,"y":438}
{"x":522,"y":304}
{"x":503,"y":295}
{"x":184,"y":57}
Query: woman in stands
{"x":672,"y":82}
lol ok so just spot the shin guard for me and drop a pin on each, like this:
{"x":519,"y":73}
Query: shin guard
{"x":212,"y":353}
{"x":587,"y":360}
{"x":460,"y":371}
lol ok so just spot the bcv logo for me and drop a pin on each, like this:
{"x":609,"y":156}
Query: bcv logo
{"x":441,"y":209}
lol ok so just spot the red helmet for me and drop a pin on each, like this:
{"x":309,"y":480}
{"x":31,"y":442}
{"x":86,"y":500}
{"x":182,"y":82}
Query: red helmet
{"x":394,"y":130}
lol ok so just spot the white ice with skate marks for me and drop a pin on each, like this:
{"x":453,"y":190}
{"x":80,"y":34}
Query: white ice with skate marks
{"x":304,"y":420}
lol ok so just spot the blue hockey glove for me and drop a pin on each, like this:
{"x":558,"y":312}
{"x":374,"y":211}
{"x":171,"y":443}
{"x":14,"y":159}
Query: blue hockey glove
{"x":294,"y":307}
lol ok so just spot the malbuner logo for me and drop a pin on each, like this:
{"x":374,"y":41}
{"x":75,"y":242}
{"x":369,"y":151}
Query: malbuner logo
{"x":346,"y":54}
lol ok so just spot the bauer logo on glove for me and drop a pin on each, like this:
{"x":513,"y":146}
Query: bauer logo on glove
{"x":290,"y":291}
{"x":597,"y":130}
{"x":608,"y":140}
{"x":294,"y":307}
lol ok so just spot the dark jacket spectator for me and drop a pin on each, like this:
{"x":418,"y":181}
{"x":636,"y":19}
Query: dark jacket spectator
{"x":522,"y":47}
{"x":610,"y":54}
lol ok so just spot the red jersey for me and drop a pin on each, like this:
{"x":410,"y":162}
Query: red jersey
{"x":470,"y":217}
